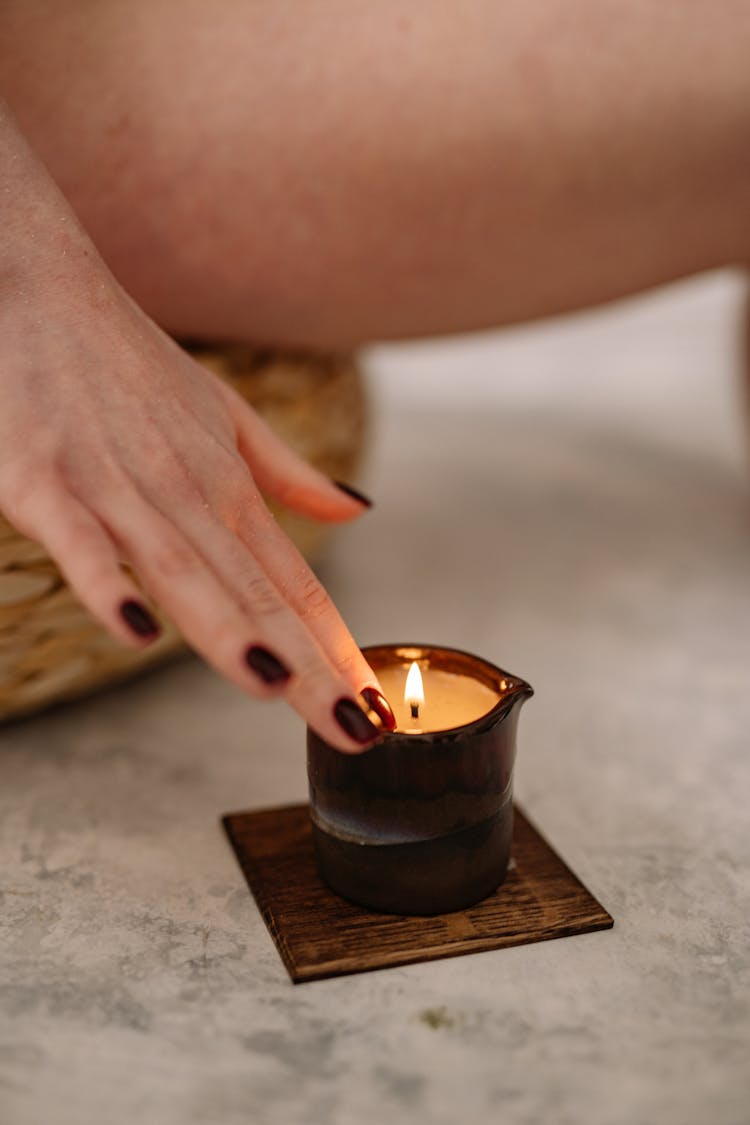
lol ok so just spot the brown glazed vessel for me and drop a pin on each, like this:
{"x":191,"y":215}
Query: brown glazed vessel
{"x":422,"y":823}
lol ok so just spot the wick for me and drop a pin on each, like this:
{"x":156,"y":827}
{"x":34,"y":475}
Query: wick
{"x":415,"y":710}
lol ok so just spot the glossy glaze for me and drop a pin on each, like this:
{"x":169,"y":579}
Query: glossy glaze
{"x":422,"y":822}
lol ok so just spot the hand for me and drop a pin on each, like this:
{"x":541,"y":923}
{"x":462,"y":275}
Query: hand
{"x":116,"y":447}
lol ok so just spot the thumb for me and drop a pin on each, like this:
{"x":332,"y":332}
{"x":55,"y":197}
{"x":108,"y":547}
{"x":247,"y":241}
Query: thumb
{"x":282,"y":474}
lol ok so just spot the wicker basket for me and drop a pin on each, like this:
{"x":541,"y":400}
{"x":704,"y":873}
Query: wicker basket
{"x":51,"y":649}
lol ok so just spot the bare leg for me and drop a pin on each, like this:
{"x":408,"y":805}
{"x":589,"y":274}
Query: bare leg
{"x":333,"y":172}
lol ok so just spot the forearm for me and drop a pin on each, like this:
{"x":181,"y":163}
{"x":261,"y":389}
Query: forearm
{"x":50,"y":271}
{"x":110,"y":434}
{"x":37,"y":223}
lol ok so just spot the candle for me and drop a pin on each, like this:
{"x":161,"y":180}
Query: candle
{"x":455,"y":699}
{"x":422,"y":823}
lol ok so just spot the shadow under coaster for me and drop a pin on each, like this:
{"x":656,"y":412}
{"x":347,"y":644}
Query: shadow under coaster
{"x":319,"y":934}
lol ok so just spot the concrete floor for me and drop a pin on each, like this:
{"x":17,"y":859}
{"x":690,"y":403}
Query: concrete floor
{"x":571,"y":501}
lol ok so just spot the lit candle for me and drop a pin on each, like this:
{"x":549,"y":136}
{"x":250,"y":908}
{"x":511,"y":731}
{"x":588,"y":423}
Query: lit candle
{"x":422,"y":823}
{"x":413,"y":691}
{"x":455,"y":699}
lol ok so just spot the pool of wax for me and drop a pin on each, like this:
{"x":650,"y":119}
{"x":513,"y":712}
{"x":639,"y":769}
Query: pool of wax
{"x":451,"y":699}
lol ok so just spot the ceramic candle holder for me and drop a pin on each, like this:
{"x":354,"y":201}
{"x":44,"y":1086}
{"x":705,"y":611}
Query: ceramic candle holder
{"x":422,"y":823}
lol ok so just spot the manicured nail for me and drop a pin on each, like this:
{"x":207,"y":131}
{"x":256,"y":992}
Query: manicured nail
{"x":355,"y":495}
{"x":139,"y":619}
{"x":353,"y":721}
{"x":266,"y":665}
{"x":377,"y":702}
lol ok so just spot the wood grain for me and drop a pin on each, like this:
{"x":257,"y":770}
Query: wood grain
{"x":320,"y":935}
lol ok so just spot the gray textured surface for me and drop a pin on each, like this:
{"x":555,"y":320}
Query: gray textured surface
{"x":577,"y":511}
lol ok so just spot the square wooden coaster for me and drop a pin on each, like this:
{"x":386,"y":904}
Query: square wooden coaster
{"x":319,"y":934}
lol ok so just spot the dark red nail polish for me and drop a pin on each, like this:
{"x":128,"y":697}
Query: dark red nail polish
{"x":353,"y":721}
{"x":139,"y":619}
{"x":377,"y":702}
{"x":267,"y":666}
{"x":354,"y":493}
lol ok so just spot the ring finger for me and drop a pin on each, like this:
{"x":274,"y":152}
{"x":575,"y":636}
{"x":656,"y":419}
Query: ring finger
{"x":238,"y":633}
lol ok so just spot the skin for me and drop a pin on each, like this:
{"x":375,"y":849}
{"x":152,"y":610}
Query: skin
{"x":118,"y":447}
{"x":319,"y":174}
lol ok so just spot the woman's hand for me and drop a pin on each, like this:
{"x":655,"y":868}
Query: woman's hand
{"x":116,"y":447}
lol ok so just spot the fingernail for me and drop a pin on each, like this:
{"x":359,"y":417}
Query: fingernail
{"x":355,"y":495}
{"x":377,"y":702}
{"x":353,"y":721}
{"x":266,"y":665}
{"x":139,"y":619}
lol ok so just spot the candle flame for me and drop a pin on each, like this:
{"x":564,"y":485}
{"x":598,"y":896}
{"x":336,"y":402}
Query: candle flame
{"x":414,"y":690}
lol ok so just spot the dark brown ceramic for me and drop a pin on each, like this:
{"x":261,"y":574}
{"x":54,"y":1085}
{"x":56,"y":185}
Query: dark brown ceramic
{"x":422,"y":823}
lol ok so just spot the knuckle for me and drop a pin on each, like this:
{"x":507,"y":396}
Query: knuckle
{"x":349,"y":664}
{"x":315,"y":601}
{"x":262,"y":597}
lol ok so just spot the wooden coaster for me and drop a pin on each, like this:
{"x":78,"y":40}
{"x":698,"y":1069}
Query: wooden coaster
{"x":319,"y":934}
